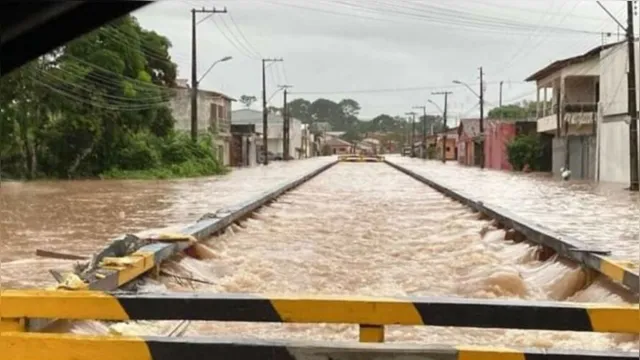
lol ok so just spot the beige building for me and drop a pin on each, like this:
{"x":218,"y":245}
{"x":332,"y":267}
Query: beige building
{"x":214,"y":116}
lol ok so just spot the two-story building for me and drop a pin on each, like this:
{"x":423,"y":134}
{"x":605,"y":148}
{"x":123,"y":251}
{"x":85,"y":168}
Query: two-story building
{"x":568,"y":92}
{"x":214,"y":116}
{"x":613,"y":120}
{"x":582,"y":104}
{"x":275,"y":139}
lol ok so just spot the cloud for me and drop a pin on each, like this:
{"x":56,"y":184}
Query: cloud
{"x":333,"y":46}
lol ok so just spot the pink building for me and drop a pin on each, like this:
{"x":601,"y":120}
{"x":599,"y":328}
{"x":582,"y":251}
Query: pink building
{"x":497,"y":136}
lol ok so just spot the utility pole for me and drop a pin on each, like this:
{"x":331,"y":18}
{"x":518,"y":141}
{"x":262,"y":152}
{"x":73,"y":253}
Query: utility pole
{"x":265,"y":136}
{"x":194,"y":68}
{"x":413,"y":130}
{"x":286,"y":125}
{"x":633,"y":107}
{"x":444,"y":116}
{"x":500,"y":103}
{"x":481,"y":118}
{"x":424,"y":129}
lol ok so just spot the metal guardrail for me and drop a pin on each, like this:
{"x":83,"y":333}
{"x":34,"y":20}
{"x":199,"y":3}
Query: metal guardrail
{"x":141,"y":254}
{"x":360,"y":158}
{"x":618,"y":271}
{"x":75,"y":347}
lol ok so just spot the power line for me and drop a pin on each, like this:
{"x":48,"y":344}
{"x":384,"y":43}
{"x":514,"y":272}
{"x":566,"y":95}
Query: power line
{"x":387,"y":90}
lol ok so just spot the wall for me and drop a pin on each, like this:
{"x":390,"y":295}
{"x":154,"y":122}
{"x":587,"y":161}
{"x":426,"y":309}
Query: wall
{"x":614,"y":150}
{"x":466,"y":152}
{"x":580,"y":90}
{"x":613,"y":79}
{"x":495,"y":145}
{"x":582,"y":156}
{"x":180,"y":106}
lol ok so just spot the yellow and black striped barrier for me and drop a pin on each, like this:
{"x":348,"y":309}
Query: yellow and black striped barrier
{"x":368,"y":312}
{"x":82,"y":347}
{"x":361,"y":158}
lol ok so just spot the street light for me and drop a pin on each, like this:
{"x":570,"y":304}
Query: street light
{"x":435,"y":104}
{"x":226,"y":58}
{"x":467,"y":86}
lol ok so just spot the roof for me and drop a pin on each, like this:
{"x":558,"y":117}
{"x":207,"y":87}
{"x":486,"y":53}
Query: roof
{"x":250,"y":116}
{"x":180,"y":84}
{"x":560,"y":64}
{"x":337,"y":142}
{"x":469,"y":127}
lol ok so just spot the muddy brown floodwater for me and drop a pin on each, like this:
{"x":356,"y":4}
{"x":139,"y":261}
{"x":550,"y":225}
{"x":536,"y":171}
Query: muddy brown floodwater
{"x":81,"y":216}
{"x":367,"y":229}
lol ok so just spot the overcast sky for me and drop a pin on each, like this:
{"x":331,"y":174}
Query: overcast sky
{"x":389,"y":55}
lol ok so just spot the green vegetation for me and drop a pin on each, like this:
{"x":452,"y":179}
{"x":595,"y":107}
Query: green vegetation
{"x":98,"y":106}
{"x":524,"y":150}
{"x":327,"y":115}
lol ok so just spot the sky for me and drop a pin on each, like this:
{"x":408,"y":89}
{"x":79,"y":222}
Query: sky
{"x":389,"y":55}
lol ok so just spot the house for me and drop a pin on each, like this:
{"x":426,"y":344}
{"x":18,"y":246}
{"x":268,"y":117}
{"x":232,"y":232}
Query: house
{"x":243,"y":151}
{"x":214,"y":116}
{"x":372,"y":144}
{"x":497,"y":134}
{"x":308,"y":148}
{"x":336,"y":146}
{"x":451,"y":144}
{"x":469,"y":145}
{"x":568,"y":109}
{"x":275,"y":140}
{"x":612,"y":138}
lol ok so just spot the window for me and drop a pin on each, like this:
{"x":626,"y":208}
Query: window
{"x":448,"y":149}
{"x":343,"y":149}
{"x":214,"y":118}
{"x":334,"y":151}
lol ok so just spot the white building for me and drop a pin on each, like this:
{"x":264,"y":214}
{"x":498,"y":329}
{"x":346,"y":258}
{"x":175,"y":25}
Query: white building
{"x":613,"y":120}
{"x":275,"y":143}
{"x":591,"y":90}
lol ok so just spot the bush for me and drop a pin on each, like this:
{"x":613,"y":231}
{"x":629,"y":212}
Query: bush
{"x":175,"y":156}
{"x":139,"y":152}
{"x":524,"y":150}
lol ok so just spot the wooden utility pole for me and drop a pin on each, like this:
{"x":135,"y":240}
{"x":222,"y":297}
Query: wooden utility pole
{"x":444,"y":116}
{"x":633,"y":107}
{"x":286,"y":125}
{"x":265,"y":136}
{"x":481,"y":118}
{"x":424,"y":129}
{"x":413,"y":130}
{"x":194,"y":68}
{"x":500,"y":103}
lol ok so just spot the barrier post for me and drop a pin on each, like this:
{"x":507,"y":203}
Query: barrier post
{"x":371,"y":333}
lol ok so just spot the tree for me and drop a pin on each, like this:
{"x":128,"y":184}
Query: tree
{"x":93,"y":105}
{"x":248,"y":100}
{"x":524,"y":110}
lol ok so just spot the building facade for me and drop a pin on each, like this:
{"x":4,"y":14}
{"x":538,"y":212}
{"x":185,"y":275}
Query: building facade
{"x":214,"y":117}
{"x":587,"y":112}
{"x":275,"y":140}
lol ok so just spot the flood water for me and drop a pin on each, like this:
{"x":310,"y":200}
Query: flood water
{"x":357,"y":229}
{"x":603,"y":216}
{"x":81,"y":216}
